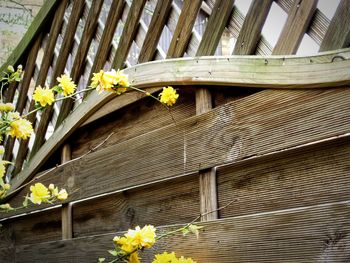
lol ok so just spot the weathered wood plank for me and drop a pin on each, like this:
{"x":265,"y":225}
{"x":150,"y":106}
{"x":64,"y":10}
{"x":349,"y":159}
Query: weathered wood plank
{"x":80,"y":57}
{"x":184,"y":28}
{"x":318,"y":25}
{"x":253,"y":71}
{"x":35,"y":28}
{"x":215,"y":27}
{"x":142,"y":117}
{"x":312,"y":175}
{"x":255,"y":125}
{"x":34,"y":228}
{"x":67,"y":43}
{"x":159,"y":18}
{"x":173,"y":202}
{"x":129,"y":32}
{"x":66,"y":213}
{"x":312,"y":234}
{"x":110,"y":106}
{"x":250,"y":33}
{"x":44,"y":69}
{"x":298,"y":21}
{"x":338,"y":32}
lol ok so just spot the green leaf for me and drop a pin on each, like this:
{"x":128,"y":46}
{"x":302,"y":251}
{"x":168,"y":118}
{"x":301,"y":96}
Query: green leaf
{"x":25,"y":202}
{"x":113,"y":252}
{"x":195,"y":229}
{"x":101,"y":260}
{"x":185,"y":231}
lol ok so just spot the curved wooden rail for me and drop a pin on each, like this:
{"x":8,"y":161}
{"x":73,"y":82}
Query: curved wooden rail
{"x":329,"y":69}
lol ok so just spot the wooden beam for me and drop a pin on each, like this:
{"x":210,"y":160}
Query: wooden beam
{"x":67,"y":223}
{"x":298,"y":21}
{"x":44,"y":69}
{"x":184,"y":27}
{"x":129,"y":33}
{"x":338,"y":32}
{"x":318,"y":24}
{"x":250,"y":33}
{"x":210,"y":139}
{"x":216,"y":24}
{"x":40,"y":21}
{"x":269,"y":72}
{"x":159,"y":19}
{"x":299,"y":235}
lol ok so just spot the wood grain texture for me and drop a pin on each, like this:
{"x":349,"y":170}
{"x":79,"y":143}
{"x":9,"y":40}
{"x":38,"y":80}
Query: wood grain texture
{"x":184,"y":27}
{"x":176,"y":72}
{"x":43,"y":71}
{"x":298,"y":21}
{"x":313,"y":175}
{"x":67,"y":44}
{"x":81,"y":56}
{"x":215,"y":27}
{"x":338,"y":32}
{"x":111,"y":106}
{"x":129,"y":33}
{"x":312,"y":234}
{"x":173,"y":202}
{"x":255,"y":125}
{"x":134,"y":120}
{"x":66,"y":212}
{"x":35,"y":28}
{"x":159,"y":19}
{"x":38,"y":227}
{"x":250,"y":33}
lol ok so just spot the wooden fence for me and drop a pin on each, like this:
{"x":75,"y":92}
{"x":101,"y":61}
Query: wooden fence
{"x":271,"y":132}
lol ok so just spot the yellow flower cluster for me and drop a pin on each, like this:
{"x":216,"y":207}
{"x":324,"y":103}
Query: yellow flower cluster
{"x":111,"y":81}
{"x":41,"y":194}
{"x":171,"y":258}
{"x":66,"y":84}
{"x":7,"y":107}
{"x":168,"y":96}
{"x":20,"y":128}
{"x":136,"y":239}
{"x":44,"y":96}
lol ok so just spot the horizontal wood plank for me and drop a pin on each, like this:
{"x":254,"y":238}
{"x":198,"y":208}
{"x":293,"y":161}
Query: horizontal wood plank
{"x":255,"y":125}
{"x":307,"y":176}
{"x":312,"y":234}
{"x":273,"y":72}
{"x":172,"y":202}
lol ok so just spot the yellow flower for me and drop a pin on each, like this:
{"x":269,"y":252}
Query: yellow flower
{"x":168,"y":96}
{"x":21,"y":128}
{"x":6,"y":107}
{"x":134,"y":258}
{"x":144,"y":237}
{"x":43,"y":96}
{"x":62,"y":195}
{"x":165,"y":258}
{"x":39,"y":193}
{"x":7,"y":186}
{"x":110,"y":81}
{"x":2,"y":168}
{"x":13,"y":115}
{"x":125,"y":244}
{"x":122,"y":79}
{"x":67,"y":85}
